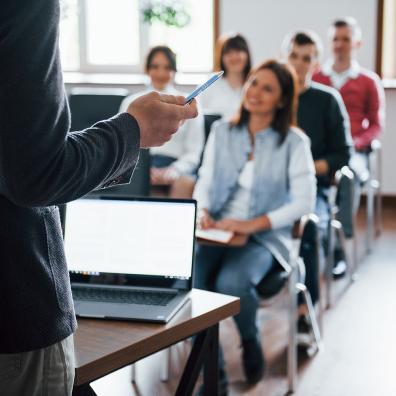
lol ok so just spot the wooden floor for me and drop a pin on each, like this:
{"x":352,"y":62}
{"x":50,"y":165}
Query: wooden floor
{"x":359,"y":355}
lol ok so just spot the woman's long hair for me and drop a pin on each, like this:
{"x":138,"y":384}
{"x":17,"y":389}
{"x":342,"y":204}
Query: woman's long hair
{"x":227,"y":43}
{"x":169,"y":54}
{"x":285,"y":116}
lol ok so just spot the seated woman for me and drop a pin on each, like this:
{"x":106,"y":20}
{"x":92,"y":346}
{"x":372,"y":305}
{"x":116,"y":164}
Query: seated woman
{"x":257,"y":179}
{"x":175,"y":163}
{"x":233,"y":56}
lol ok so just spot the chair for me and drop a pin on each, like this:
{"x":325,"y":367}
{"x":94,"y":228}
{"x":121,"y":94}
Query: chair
{"x":341,"y":227}
{"x":89,"y":105}
{"x":374,"y":196}
{"x":209,"y":119}
{"x":290,"y":276}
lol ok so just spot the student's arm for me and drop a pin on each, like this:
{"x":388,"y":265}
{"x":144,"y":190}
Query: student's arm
{"x":375,"y":112}
{"x":193,"y":138}
{"x":338,"y":136}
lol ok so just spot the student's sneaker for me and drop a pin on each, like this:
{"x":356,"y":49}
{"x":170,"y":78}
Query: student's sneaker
{"x":340,"y":266}
{"x":253,"y":360}
{"x":305,"y":336}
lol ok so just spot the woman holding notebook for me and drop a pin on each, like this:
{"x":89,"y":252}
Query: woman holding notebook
{"x":257,"y":179}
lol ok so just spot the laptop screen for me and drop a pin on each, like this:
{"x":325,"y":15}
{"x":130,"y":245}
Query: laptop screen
{"x":140,"y":241}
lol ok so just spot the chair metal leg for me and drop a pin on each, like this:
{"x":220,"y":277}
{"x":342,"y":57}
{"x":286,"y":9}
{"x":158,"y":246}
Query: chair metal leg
{"x":378,"y":194}
{"x":292,"y":344}
{"x":330,"y":261}
{"x":312,"y":314}
{"x":133,"y":373}
{"x":370,"y":215}
{"x":165,"y":366}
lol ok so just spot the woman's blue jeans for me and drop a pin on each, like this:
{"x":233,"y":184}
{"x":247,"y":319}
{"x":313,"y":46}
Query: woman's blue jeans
{"x":235,"y":271}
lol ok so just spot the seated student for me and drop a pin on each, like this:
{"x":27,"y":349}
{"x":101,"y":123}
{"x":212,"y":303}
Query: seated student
{"x":360,"y":89}
{"x":323,"y":117}
{"x":175,"y":163}
{"x":257,"y":179}
{"x":233,"y":56}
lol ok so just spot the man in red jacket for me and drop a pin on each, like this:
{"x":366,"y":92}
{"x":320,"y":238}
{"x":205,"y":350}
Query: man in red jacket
{"x":360,"y":89}
{"x":364,"y":99}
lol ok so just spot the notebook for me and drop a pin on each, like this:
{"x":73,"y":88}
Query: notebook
{"x":130,"y":258}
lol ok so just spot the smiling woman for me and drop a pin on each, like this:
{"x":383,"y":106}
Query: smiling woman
{"x":112,"y":37}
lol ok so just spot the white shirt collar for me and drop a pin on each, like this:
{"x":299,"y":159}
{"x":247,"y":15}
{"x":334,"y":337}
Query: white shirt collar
{"x":351,"y":73}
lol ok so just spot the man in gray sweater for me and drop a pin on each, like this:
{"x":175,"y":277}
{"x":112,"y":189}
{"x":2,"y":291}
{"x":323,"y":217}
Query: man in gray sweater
{"x":42,"y":164}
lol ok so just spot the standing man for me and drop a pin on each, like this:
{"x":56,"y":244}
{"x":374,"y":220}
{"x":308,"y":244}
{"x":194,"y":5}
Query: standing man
{"x":42,"y":164}
{"x":360,"y":89}
{"x":322,"y":115}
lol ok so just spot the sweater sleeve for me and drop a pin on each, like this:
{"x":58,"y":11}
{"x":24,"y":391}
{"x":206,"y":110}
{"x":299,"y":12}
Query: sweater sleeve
{"x":375,"y":112}
{"x":41,"y":162}
{"x":338,"y":134}
{"x":302,"y":188}
{"x":193,"y":141}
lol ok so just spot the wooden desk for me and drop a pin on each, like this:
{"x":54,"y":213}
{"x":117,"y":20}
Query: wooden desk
{"x":103,"y":346}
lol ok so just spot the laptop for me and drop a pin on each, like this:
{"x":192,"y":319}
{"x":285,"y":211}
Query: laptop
{"x":130,"y":259}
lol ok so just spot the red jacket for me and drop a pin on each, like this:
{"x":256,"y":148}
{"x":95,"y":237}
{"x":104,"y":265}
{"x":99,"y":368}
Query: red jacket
{"x":364,"y":100}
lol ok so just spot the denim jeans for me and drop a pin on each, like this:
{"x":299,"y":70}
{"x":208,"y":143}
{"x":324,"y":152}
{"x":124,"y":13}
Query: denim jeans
{"x":44,"y":372}
{"x":235,"y":271}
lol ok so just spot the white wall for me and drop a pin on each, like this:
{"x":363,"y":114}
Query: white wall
{"x":264,"y":23}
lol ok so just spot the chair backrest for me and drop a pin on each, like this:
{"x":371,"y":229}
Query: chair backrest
{"x":306,"y":231}
{"x":88,"y":106}
{"x":210,"y":118}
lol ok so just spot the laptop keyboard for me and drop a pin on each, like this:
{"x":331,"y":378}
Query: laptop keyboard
{"x":122,"y":296}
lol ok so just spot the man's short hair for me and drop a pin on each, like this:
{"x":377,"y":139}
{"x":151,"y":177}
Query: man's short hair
{"x":349,"y":22}
{"x":303,"y":37}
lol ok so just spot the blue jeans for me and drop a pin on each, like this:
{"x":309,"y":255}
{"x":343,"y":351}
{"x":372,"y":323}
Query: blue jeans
{"x":235,"y":271}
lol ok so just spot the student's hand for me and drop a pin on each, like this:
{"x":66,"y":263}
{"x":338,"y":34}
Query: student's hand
{"x":163,"y":176}
{"x":204,"y":220}
{"x":245,"y":227}
{"x":321,"y":167}
{"x":159,"y":116}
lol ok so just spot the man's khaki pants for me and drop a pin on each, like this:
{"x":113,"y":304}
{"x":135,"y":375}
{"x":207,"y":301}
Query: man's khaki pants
{"x":44,"y":372}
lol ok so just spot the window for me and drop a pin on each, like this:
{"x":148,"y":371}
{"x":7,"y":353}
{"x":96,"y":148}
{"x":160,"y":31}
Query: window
{"x":111,"y":36}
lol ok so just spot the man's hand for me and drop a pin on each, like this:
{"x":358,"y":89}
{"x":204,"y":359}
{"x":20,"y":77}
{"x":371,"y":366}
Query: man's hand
{"x":159,"y":116}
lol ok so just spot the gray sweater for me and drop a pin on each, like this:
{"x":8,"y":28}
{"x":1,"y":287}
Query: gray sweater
{"x":42,"y":164}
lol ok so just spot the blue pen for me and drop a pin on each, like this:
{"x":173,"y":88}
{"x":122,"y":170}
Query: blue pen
{"x":202,"y":87}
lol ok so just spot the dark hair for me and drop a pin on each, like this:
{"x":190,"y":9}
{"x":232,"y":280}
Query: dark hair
{"x":351,"y":23}
{"x":306,"y":37}
{"x":226,"y":43}
{"x":170,"y":56}
{"x":285,"y":116}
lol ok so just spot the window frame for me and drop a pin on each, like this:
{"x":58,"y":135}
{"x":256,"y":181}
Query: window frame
{"x":379,"y":64}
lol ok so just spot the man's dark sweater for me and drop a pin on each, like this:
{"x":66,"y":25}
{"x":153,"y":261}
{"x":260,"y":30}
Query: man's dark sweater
{"x":42,"y":165}
{"x":323,"y":117}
